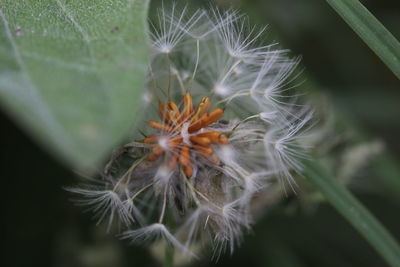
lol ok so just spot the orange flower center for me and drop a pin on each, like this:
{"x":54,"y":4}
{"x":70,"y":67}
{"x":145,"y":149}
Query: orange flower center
{"x":184,"y":132}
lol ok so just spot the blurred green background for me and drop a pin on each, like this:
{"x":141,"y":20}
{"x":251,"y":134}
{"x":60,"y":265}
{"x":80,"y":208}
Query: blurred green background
{"x":43,"y":228}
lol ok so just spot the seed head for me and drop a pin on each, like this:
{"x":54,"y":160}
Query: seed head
{"x":220,"y":129}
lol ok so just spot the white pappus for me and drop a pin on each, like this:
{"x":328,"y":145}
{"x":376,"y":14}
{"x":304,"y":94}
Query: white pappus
{"x":219,"y":128}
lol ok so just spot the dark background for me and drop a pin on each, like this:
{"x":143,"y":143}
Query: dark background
{"x":43,"y":228}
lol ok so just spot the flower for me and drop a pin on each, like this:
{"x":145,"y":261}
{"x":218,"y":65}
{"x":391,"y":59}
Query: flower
{"x":220,"y":128}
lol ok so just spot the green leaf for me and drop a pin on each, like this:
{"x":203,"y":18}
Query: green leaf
{"x":361,"y":219}
{"x":373,"y":33}
{"x":72,"y":72}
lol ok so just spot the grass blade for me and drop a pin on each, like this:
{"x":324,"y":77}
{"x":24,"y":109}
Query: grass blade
{"x":373,"y":33}
{"x":361,"y":219}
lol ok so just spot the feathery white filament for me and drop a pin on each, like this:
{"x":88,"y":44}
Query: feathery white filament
{"x":231,"y":159}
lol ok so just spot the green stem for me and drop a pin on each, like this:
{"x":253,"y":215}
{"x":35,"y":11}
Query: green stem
{"x":373,"y":33}
{"x":361,"y":219}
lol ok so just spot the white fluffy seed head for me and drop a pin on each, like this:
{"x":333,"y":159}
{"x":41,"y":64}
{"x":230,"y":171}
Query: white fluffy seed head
{"x":226,"y":153}
{"x":163,"y":142}
{"x":221,"y":90}
{"x":147,"y":98}
{"x":214,"y":54}
{"x":163,"y":174}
